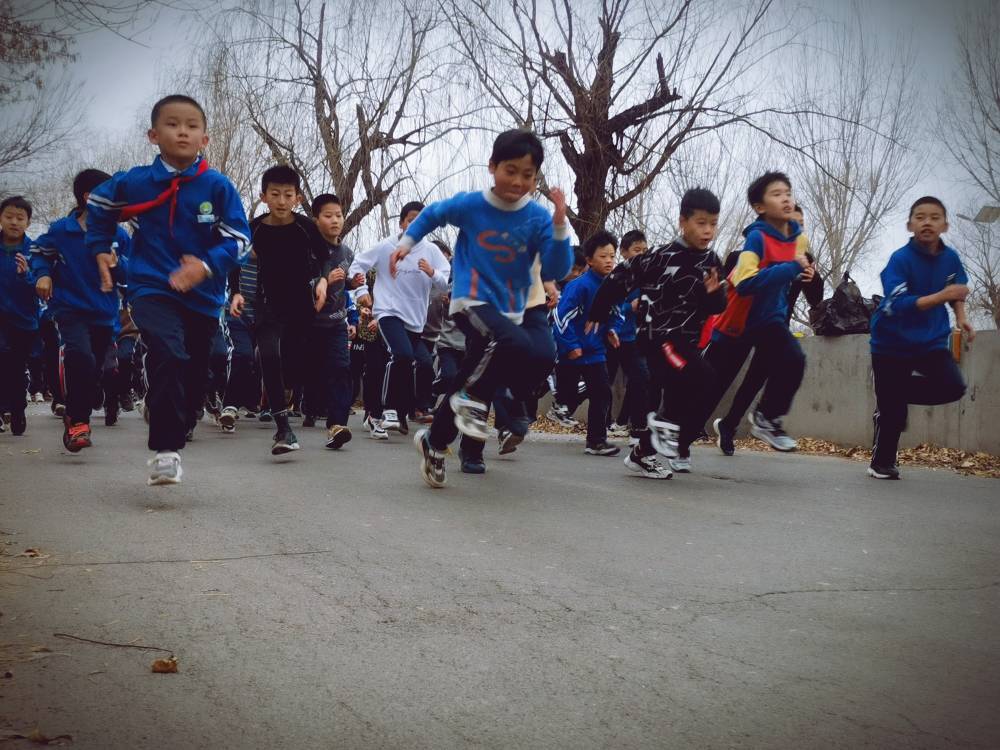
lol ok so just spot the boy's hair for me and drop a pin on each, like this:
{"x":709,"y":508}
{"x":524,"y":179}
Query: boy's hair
{"x":579,"y":259}
{"x":597,"y":240}
{"x":798,"y":209}
{"x":631,"y":237}
{"x":699,"y":199}
{"x":280,"y":174}
{"x":322,"y":200}
{"x":755,"y":193}
{"x":443,"y":247}
{"x":16,"y":201}
{"x":411,"y":206}
{"x":514,"y":144}
{"x":85,"y":182}
{"x":928,"y":199}
{"x":176,"y":99}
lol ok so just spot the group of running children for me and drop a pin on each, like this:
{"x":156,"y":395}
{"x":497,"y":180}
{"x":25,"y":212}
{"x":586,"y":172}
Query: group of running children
{"x":512,"y":302}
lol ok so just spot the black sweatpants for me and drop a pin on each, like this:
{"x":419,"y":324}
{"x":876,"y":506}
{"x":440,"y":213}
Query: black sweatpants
{"x":15,"y":345}
{"x":84,"y":349}
{"x":595,"y":376}
{"x":178,"y":341}
{"x":930,"y":379}
{"x":283,"y":347}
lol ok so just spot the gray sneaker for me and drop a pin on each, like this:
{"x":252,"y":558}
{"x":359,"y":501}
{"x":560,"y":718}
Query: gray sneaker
{"x":166,"y":469}
{"x":663,"y":434}
{"x":431,"y":461}
{"x":771,"y":432}
{"x":680,"y":464}
{"x":470,"y":415}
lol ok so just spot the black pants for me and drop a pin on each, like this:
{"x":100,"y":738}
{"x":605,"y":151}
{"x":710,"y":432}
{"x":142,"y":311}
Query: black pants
{"x":376,"y":358}
{"x":50,"y":359}
{"x":243,"y":386}
{"x":595,"y":376}
{"x":357,"y":366}
{"x":781,"y":354}
{"x":499,"y":353}
{"x":929,"y":379}
{"x":328,"y":377}
{"x":15,"y":345}
{"x":84,"y":350}
{"x":408,"y":354}
{"x":688,"y":383}
{"x":178,"y":342}
{"x":632,"y":361}
{"x":283,"y":351}
{"x":753,"y":381}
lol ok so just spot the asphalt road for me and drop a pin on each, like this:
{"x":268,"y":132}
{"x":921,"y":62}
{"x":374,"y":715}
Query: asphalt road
{"x":331,"y":600}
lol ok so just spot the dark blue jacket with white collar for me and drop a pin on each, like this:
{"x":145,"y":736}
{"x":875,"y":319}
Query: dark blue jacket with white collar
{"x":209,"y":223}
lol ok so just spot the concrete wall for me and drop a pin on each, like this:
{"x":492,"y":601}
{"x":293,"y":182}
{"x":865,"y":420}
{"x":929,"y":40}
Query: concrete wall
{"x":837,"y":399}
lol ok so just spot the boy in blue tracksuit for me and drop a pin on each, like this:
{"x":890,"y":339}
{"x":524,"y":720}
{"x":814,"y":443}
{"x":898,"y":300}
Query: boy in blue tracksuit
{"x":627,"y":355}
{"x":582,"y":354}
{"x":18,"y":311}
{"x":911,"y":358}
{"x":501,"y":233}
{"x":67,"y":279}
{"x":190,"y":232}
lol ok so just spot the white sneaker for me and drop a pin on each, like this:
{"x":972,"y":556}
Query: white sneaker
{"x":560,"y":415}
{"x":166,"y":469}
{"x":771,"y":432}
{"x":227,"y":419}
{"x":390,"y":421}
{"x":617,"y":430}
{"x":39,"y":398}
{"x":664,"y":435}
{"x":646,"y":466}
{"x":375,"y":427}
{"x":470,"y":415}
{"x":680,"y":465}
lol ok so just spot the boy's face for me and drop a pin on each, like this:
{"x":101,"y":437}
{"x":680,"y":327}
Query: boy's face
{"x":408,"y":219}
{"x":927,"y":222}
{"x":603,"y":260}
{"x":698,"y":229}
{"x":281,"y":200}
{"x":636,"y":248}
{"x":514,"y":178}
{"x":14,"y":223}
{"x":799,"y":219}
{"x":180,"y":133}
{"x":778,"y":204}
{"x":330,"y":221}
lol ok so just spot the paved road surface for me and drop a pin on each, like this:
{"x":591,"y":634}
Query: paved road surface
{"x":333,"y":601}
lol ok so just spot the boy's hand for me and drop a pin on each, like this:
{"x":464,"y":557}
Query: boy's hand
{"x":808,"y":273}
{"x":614,"y":340}
{"x":954,"y":293}
{"x":426,"y":267}
{"x":43,"y":288}
{"x":357,"y":280}
{"x":397,"y":256}
{"x":365,"y":300}
{"x":320,"y":295}
{"x":236,"y":305}
{"x":352,"y":332}
{"x":575,"y":353}
{"x":105,"y":262}
{"x":551,"y":294}
{"x":591,"y":326}
{"x":189,"y":275}
{"x":712,"y":282}
{"x":337,"y":274}
{"x":372,"y":325}
{"x":558,"y":198}
{"x":21,"y":262}
{"x":970,"y":332}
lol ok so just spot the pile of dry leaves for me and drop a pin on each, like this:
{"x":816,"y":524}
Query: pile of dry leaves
{"x":925,"y":455}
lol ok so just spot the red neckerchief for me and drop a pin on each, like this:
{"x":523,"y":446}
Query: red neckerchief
{"x":170,"y":194}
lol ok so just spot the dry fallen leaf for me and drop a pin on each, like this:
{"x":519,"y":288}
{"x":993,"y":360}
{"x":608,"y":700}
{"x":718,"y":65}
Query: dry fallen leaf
{"x":30,"y":552}
{"x":38,"y":738}
{"x":165,"y":666}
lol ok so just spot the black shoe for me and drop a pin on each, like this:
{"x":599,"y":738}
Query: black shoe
{"x":602,"y":449}
{"x":724,"y":437}
{"x":507,"y":441}
{"x":284,"y":442}
{"x":127,"y":401}
{"x":189,"y":436}
{"x":18,"y":423}
{"x":472,"y":464}
{"x":308,"y":421}
{"x":883,"y":472}
{"x":111,"y":413}
{"x":265,"y":415}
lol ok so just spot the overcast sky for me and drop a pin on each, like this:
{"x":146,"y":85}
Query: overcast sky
{"x":120,"y":77}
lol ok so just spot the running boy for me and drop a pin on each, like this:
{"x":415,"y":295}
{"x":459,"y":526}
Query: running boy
{"x":756,"y":316}
{"x":581,"y":354}
{"x":18,"y":311}
{"x":401,"y":312}
{"x":680,"y":287}
{"x":501,"y":232}
{"x":190,"y":231}
{"x":911,"y":361}
{"x":66,"y":278}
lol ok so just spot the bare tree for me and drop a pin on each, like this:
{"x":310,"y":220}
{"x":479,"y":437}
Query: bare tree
{"x":851,"y":169}
{"x":620,"y":84}
{"x":979,"y":245}
{"x":345,"y":94}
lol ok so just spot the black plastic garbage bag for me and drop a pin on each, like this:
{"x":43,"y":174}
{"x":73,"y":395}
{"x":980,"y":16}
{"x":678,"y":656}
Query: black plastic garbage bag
{"x":847,"y":311}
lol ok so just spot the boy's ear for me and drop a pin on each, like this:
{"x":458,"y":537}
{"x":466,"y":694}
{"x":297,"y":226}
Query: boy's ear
{"x":204,"y":140}
{"x":758,"y":208}
{"x":153,"y":136}
{"x":492,"y":168}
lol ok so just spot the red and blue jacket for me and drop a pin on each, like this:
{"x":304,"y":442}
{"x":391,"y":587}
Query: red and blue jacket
{"x":758,"y":284}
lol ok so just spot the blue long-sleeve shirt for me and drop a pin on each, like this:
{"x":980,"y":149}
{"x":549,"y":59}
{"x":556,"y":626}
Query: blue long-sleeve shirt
{"x":571,"y":318}
{"x":62,"y":254}
{"x":497,"y":243}
{"x":898,"y":327}
{"x":209,"y":222}
{"x":624,"y":322}
{"x":18,"y":301}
